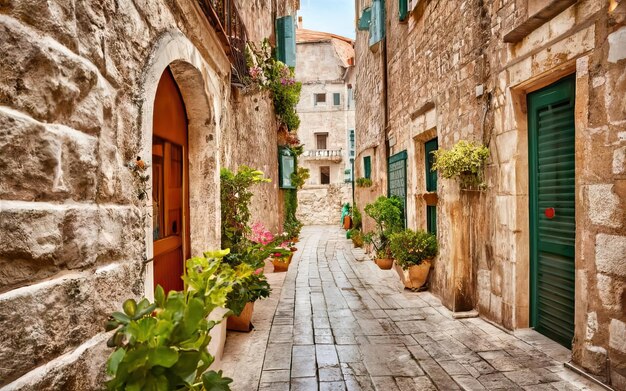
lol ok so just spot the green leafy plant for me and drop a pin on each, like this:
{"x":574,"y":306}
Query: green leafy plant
{"x":163,"y":345}
{"x":235,"y":197}
{"x":273,"y":75}
{"x":364,"y":182}
{"x":357,"y":237}
{"x":465,"y":161}
{"x":299,"y":177}
{"x":411,"y":248}
{"x":387,"y":213}
{"x":357,"y":219}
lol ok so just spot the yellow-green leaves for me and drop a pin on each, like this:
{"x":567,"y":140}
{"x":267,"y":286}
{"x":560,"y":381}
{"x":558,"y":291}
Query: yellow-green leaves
{"x":464,"y":161}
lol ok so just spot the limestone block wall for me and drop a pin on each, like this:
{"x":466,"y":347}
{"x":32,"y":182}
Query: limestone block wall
{"x":77,"y":87}
{"x":435,"y":62}
{"x":321,"y":205}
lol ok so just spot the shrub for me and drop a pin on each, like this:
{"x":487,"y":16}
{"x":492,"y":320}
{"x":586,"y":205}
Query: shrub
{"x":163,"y":345}
{"x":410,"y":248}
{"x":387,"y":213}
{"x":465,"y":161}
{"x":357,"y":237}
{"x":364,"y":182}
{"x":357,"y":219}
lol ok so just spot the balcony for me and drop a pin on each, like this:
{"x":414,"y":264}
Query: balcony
{"x":225,"y":18}
{"x":333,"y":155}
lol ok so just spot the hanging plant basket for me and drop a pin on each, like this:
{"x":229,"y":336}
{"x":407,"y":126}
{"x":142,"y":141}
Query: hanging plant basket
{"x":465,"y":162}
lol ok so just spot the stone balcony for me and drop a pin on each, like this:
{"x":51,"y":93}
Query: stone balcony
{"x":333,"y":155}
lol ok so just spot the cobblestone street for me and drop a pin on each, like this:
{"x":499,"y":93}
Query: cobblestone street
{"x":337,"y":322}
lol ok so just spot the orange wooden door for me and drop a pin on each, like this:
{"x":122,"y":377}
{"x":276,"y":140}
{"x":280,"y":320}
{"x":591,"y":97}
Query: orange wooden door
{"x":170,"y":190}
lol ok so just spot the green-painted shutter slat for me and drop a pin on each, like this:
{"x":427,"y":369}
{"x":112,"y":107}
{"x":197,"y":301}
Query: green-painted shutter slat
{"x":377,"y":25}
{"x":404,"y":9}
{"x":365,"y":19}
{"x":367,"y":167}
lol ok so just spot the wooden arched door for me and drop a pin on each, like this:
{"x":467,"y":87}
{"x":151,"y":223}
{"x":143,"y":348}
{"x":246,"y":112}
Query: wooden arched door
{"x":170,"y":190}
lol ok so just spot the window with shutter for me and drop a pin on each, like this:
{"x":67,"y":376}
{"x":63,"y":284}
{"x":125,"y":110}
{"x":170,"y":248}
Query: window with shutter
{"x":367,"y":167}
{"x":403,"y":9}
{"x":431,"y":184}
{"x":336,"y":99}
{"x":365,"y":19}
{"x":377,"y":25}
{"x":286,"y":40}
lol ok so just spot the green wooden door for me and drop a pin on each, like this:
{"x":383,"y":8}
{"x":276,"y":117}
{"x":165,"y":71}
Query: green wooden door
{"x":396,"y":171}
{"x":552,"y":209}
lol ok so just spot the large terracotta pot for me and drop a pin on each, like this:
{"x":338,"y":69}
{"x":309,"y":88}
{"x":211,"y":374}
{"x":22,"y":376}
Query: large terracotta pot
{"x":347,"y":222}
{"x":384,"y":263}
{"x":415,"y":277}
{"x":243,"y":322}
{"x":281,"y":264}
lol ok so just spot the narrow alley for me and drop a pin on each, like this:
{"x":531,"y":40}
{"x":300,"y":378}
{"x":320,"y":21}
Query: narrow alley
{"x":335,"y":321}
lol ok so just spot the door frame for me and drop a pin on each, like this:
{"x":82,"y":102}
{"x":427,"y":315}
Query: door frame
{"x":533,"y":197}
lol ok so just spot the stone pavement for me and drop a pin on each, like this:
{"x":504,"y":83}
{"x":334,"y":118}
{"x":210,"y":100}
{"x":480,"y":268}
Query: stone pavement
{"x":338,"y":322}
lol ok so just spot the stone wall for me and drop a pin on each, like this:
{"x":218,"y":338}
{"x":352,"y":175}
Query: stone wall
{"x":435,"y":62}
{"x":321,"y":205}
{"x":77,"y":87}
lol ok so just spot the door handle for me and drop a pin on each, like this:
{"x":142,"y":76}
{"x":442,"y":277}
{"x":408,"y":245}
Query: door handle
{"x":550,"y":213}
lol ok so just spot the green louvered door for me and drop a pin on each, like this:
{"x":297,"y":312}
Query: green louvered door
{"x":552,"y":209}
{"x":396,"y":171}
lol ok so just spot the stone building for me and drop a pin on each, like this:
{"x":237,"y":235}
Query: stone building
{"x":325,"y":67}
{"x":86,"y":88}
{"x":431,"y":73}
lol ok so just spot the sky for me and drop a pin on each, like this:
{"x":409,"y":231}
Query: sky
{"x":332,"y":16}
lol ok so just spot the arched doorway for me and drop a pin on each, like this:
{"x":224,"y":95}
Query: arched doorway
{"x":170,"y":185}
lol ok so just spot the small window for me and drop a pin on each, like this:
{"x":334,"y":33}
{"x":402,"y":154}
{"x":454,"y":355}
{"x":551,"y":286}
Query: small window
{"x":367,"y":167}
{"x":286,"y":167}
{"x":431,"y":176}
{"x":325,"y":175}
{"x":350,"y":97}
{"x":351,"y":138}
{"x":321,"y":139}
{"x":336,"y":99}
{"x":319,"y":99}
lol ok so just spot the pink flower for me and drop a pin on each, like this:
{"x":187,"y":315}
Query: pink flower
{"x":255,"y":72}
{"x":260,"y":234}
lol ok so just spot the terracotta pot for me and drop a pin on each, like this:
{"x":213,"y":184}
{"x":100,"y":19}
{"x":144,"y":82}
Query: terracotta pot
{"x":281,"y":264}
{"x":243,"y":322}
{"x":295,"y":240}
{"x":347,"y":222}
{"x":430,"y":198}
{"x":415,"y":277}
{"x":384,"y":263}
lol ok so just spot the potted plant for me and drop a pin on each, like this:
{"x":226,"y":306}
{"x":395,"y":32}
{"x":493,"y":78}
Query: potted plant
{"x":387,"y":213}
{"x":413,"y":252}
{"x":281,"y":257}
{"x":242,"y":298}
{"x":463,"y":161}
{"x":363,"y":182}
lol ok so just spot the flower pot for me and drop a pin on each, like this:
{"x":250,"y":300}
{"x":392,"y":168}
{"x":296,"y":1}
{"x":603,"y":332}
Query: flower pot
{"x":347,"y":222}
{"x":243,"y":322}
{"x":384,"y":263}
{"x":415,"y":277}
{"x":282,"y":264}
{"x":430,"y":198}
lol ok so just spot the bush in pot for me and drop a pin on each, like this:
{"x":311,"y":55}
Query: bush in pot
{"x":463,"y":161}
{"x":387,"y":213}
{"x":413,"y":252}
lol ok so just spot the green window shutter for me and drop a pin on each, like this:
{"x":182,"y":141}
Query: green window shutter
{"x":377,"y":25}
{"x":367,"y":167}
{"x":286,"y":167}
{"x":365,"y":19}
{"x":336,"y":99}
{"x":404,"y":9}
{"x":286,"y":40}
{"x":431,"y":176}
{"x":431,"y":219}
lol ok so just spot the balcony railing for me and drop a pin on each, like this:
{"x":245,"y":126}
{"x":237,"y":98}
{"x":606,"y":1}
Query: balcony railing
{"x":225,"y":18}
{"x":334,"y":155}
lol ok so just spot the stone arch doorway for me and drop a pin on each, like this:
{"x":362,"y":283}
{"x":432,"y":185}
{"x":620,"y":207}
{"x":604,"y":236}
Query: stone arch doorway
{"x":170,"y":185}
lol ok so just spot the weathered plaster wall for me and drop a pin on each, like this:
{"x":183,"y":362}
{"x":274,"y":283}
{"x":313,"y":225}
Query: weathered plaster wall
{"x":435,"y":63}
{"x":77,"y":85}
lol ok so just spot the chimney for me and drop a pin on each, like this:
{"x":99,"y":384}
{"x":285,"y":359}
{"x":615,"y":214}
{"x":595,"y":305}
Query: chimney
{"x":300,"y":22}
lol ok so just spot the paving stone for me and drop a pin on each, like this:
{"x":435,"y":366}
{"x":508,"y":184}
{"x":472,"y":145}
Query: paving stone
{"x":343,"y":324}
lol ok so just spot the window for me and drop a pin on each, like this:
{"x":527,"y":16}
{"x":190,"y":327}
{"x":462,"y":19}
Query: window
{"x":363,"y":23}
{"x":350,"y":97}
{"x":367,"y":167}
{"x":319,"y":99}
{"x":431,"y":184}
{"x":286,"y":40}
{"x":377,"y":24}
{"x":286,"y":167}
{"x":403,"y":6}
{"x":336,"y":99}
{"x":321,"y":139}
{"x":325,"y":175}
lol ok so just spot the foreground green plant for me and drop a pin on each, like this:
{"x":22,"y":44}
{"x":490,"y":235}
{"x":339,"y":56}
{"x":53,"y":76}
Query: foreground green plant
{"x":411,"y":248}
{"x":464,"y":161}
{"x":163,"y":345}
{"x":387,"y":213}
